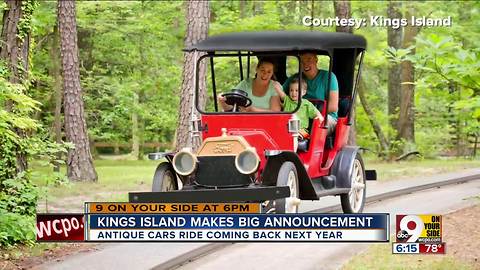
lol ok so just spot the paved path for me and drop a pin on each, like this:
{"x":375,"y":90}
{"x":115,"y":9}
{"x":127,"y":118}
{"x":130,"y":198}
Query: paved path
{"x":304,"y":256}
{"x":147,"y":255}
{"x":375,"y":188}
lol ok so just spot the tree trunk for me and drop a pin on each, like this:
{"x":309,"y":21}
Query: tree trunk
{"x":116,"y":148}
{"x":371,"y":117}
{"x":141,"y":93}
{"x":138,"y":122}
{"x":352,"y":134}
{"x":257,"y":7}
{"x":287,"y":13}
{"x":14,"y":48}
{"x":343,"y":11}
{"x":197,"y":30}
{"x":242,"y":8}
{"x":312,"y":12}
{"x":394,"y":70}
{"x":55,"y":72}
{"x":135,"y":137}
{"x":406,"y":121}
{"x":298,"y":11}
{"x":454,"y":122}
{"x":79,"y":164}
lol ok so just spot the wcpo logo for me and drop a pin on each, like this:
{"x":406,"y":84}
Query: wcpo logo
{"x":418,"y":228}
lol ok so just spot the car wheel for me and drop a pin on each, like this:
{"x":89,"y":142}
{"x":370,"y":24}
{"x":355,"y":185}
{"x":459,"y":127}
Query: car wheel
{"x":287,"y":176}
{"x":354,"y":201}
{"x":164,"y":178}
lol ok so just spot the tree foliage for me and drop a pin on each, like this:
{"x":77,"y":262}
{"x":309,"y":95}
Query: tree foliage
{"x":20,"y":133}
{"x":131,"y":64}
{"x":111,"y":49}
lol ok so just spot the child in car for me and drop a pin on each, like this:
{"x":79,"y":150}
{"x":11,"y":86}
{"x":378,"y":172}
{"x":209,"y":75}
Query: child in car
{"x":306,"y":111}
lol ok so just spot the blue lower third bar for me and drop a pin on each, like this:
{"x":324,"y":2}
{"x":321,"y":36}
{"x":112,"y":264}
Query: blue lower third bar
{"x":238,"y":227}
{"x":218,"y":221}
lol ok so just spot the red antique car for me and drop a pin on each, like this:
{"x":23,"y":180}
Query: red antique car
{"x":257,"y":157}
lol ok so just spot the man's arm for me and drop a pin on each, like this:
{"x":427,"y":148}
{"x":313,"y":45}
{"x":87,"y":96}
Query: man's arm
{"x":332,"y":102}
{"x":333,"y":94}
{"x":312,"y":111}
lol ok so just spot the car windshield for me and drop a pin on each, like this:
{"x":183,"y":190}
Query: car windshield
{"x":257,"y":76}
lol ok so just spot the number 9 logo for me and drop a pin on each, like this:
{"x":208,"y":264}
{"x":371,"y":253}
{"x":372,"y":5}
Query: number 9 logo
{"x":407,"y":224}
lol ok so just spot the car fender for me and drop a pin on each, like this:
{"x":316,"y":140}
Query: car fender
{"x":168,"y":156}
{"x":160,"y":155}
{"x":343,"y":165}
{"x":270,"y":173}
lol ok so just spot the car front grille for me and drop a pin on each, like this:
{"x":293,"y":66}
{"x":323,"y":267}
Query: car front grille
{"x":220,"y":171}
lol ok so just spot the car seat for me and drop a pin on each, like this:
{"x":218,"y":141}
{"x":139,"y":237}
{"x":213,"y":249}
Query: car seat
{"x":303,"y":144}
{"x":343,"y":110}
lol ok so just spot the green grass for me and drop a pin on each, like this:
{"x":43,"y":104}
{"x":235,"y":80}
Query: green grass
{"x":18,"y":252}
{"x":27,"y":257}
{"x":418,"y":168}
{"x":112,"y":175}
{"x":115,"y":177}
{"x":379,"y":256}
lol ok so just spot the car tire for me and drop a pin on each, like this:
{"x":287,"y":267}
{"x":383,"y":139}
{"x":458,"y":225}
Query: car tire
{"x":354,"y":201}
{"x":164,"y":178}
{"x":288,"y":176}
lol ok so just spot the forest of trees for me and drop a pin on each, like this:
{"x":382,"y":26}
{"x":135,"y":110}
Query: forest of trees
{"x":74,"y":75}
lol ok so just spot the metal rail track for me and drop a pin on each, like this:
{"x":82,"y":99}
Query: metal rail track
{"x":202,"y":251}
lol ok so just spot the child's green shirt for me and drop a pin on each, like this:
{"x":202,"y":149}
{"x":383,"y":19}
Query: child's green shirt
{"x":306,"y":111}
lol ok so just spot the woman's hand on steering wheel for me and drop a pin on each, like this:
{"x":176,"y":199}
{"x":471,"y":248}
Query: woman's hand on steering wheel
{"x":222,"y":101}
{"x":237,"y":98}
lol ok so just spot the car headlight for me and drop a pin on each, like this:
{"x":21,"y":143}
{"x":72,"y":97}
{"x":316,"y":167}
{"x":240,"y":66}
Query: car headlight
{"x":184,"y":162}
{"x":247,"y":161}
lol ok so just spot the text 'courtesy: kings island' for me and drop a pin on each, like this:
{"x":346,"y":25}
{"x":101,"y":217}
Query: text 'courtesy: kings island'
{"x":377,"y":21}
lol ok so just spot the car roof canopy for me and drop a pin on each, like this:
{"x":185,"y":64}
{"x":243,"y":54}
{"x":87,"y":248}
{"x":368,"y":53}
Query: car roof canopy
{"x":280,"y":41}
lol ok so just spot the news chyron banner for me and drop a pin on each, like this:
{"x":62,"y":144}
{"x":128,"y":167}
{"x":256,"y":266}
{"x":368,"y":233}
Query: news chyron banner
{"x":238,"y":227}
{"x":73,"y":227}
{"x":159,"y":222}
{"x":418,"y":234}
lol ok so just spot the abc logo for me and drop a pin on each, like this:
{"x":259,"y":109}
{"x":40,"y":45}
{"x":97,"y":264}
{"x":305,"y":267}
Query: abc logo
{"x":402,"y":235}
{"x":409,"y":228}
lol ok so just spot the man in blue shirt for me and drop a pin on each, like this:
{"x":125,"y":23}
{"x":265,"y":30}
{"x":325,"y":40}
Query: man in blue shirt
{"x":317,"y":81}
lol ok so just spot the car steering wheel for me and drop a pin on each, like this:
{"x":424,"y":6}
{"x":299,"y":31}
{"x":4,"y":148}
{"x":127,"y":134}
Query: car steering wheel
{"x":237,"y":98}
